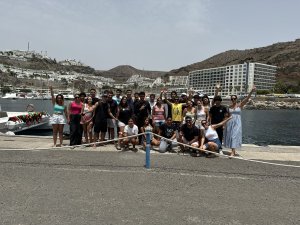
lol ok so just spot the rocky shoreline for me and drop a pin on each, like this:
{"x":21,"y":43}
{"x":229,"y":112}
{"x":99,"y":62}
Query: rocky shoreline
{"x":272,"y":105}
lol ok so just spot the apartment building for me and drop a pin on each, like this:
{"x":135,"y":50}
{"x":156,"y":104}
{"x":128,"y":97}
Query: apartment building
{"x":234,"y":79}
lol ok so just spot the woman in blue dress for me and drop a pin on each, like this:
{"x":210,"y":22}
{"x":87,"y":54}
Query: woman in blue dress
{"x":233,"y":128}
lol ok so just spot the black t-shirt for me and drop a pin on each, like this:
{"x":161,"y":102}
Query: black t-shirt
{"x":125,"y":114}
{"x":189,"y":133}
{"x":113,"y":105}
{"x":217,"y":113}
{"x":167,"y":131}
{"x":101,"y":112}
{"x":144,"y":113}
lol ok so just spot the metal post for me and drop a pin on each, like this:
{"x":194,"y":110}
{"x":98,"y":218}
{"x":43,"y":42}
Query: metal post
{"x":148,"y":149}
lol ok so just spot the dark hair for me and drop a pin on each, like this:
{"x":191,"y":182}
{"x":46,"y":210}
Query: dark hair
{"x":59,"y":95}
{"x":119,"y":90}
{"x":121,"y":102}
{"x":142,"y":93}
{"x":129,"y":90}
{"x":136,"y":93}
{"x":92,"y":89}
{"x":82,"y":94}
{"x":152,"y":95}
{"x":174,"y":92}
{"x":218,"y":98}
{"x":233,"y":96}
{"x":188,"y":118}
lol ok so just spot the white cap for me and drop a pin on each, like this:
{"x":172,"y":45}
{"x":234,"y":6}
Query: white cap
{"x":183,"y":94}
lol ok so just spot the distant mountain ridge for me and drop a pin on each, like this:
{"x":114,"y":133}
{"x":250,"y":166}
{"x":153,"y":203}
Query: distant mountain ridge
{"x":123,"y":72}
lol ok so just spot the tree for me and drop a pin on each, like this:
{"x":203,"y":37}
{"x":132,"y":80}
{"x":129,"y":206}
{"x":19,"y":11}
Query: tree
{"x":280,"y":87}
{"x":6,"y":90}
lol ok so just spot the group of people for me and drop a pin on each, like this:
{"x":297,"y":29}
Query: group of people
{"x":189,"y":120}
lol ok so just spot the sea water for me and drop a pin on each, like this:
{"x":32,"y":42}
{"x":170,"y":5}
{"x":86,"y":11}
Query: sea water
{"x":260,"y":127}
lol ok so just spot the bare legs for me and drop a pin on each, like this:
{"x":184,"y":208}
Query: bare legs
{"x":233,"y":152}
{"x":58,"y":129}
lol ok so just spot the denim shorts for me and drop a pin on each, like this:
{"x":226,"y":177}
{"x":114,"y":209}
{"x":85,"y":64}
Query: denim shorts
{"x":216,"y":141}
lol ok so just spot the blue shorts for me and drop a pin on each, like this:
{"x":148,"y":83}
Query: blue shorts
{"x":216,"y":141}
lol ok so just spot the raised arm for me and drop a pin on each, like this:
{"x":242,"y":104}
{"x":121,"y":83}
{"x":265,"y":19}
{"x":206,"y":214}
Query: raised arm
{"x":52,"y":95}
{"x":221,"y":123}
{"x":217,"y":90}
{"x":245,"y":100}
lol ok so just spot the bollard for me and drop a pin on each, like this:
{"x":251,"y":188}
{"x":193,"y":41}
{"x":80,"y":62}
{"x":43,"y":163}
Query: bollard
{"x":148,"y":133}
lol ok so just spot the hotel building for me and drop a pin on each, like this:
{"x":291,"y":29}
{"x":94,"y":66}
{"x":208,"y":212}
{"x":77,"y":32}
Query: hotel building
{"x":234,"y":79}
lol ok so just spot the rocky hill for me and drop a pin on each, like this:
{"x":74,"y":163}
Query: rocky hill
{"x":285,"y":55}
{"x":123,"y":72}
{"x":36,"y":63}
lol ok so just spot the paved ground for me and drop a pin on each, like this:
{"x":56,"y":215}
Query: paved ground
{"x":103,"y":186}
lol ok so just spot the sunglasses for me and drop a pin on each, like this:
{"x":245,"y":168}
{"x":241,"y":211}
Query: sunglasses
{"x":76,"y":96}
{"x":233,"y":99}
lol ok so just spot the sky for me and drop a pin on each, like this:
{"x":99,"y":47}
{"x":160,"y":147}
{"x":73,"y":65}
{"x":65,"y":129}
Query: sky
{"x":146,"y":34}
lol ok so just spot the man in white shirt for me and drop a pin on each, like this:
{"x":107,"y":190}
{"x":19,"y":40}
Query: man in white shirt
{"x":129,"y":130}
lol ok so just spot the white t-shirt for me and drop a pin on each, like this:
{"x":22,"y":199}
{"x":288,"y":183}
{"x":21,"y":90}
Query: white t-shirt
{"x":131,"y":130}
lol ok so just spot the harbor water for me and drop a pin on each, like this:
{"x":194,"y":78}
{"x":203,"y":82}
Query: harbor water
{"x":260,"y":127}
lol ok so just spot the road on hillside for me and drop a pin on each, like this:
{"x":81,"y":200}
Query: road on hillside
{"x":69,"y":187}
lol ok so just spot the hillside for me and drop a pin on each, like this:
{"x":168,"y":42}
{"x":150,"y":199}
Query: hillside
{"x":36,"y":63}
{"x":285,"y":55}
{"x":123,"y":72}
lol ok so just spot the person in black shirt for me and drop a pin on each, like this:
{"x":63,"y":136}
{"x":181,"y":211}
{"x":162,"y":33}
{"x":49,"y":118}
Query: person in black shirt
{"x":102,"y":112}
{"x":141,"y":110}
{"x":189,"y":134}
{"x":217,"y":113}
{"x":111,"y":122}
{"x":125,"y":113}
{"x":167,"y":130}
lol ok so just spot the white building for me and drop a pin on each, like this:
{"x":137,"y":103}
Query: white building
{"x":234,"y":79}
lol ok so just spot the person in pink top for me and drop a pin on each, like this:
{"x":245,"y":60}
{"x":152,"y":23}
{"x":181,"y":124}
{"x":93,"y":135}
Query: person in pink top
{"x":75,"y":108}
{"x":158,"y":114}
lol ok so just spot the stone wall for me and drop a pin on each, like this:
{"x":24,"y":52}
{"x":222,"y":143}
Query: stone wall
{"x":272,"y":105}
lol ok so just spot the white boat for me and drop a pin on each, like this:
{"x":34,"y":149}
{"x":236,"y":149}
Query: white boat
{"x":20,"y":121}
{"x":10,"y":95}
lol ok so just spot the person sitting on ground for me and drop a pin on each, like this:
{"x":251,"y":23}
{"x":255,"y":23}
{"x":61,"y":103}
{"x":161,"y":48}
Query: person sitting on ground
{"x":213,"y":142}
{"x":167,"y":130}
{"x":129,"y":130}
{"x":148,"y":128}
{"x":189,"y":134}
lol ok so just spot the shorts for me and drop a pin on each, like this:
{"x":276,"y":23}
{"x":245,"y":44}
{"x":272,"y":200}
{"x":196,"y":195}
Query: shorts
{"x":111,"y":123}
{"x":158,"y":123}
{"x":100,"y":127}
{"x":121,"y":124}
{"x":216,"y":141}
{"x":57,"y":119}
{"x":194,"y":144}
